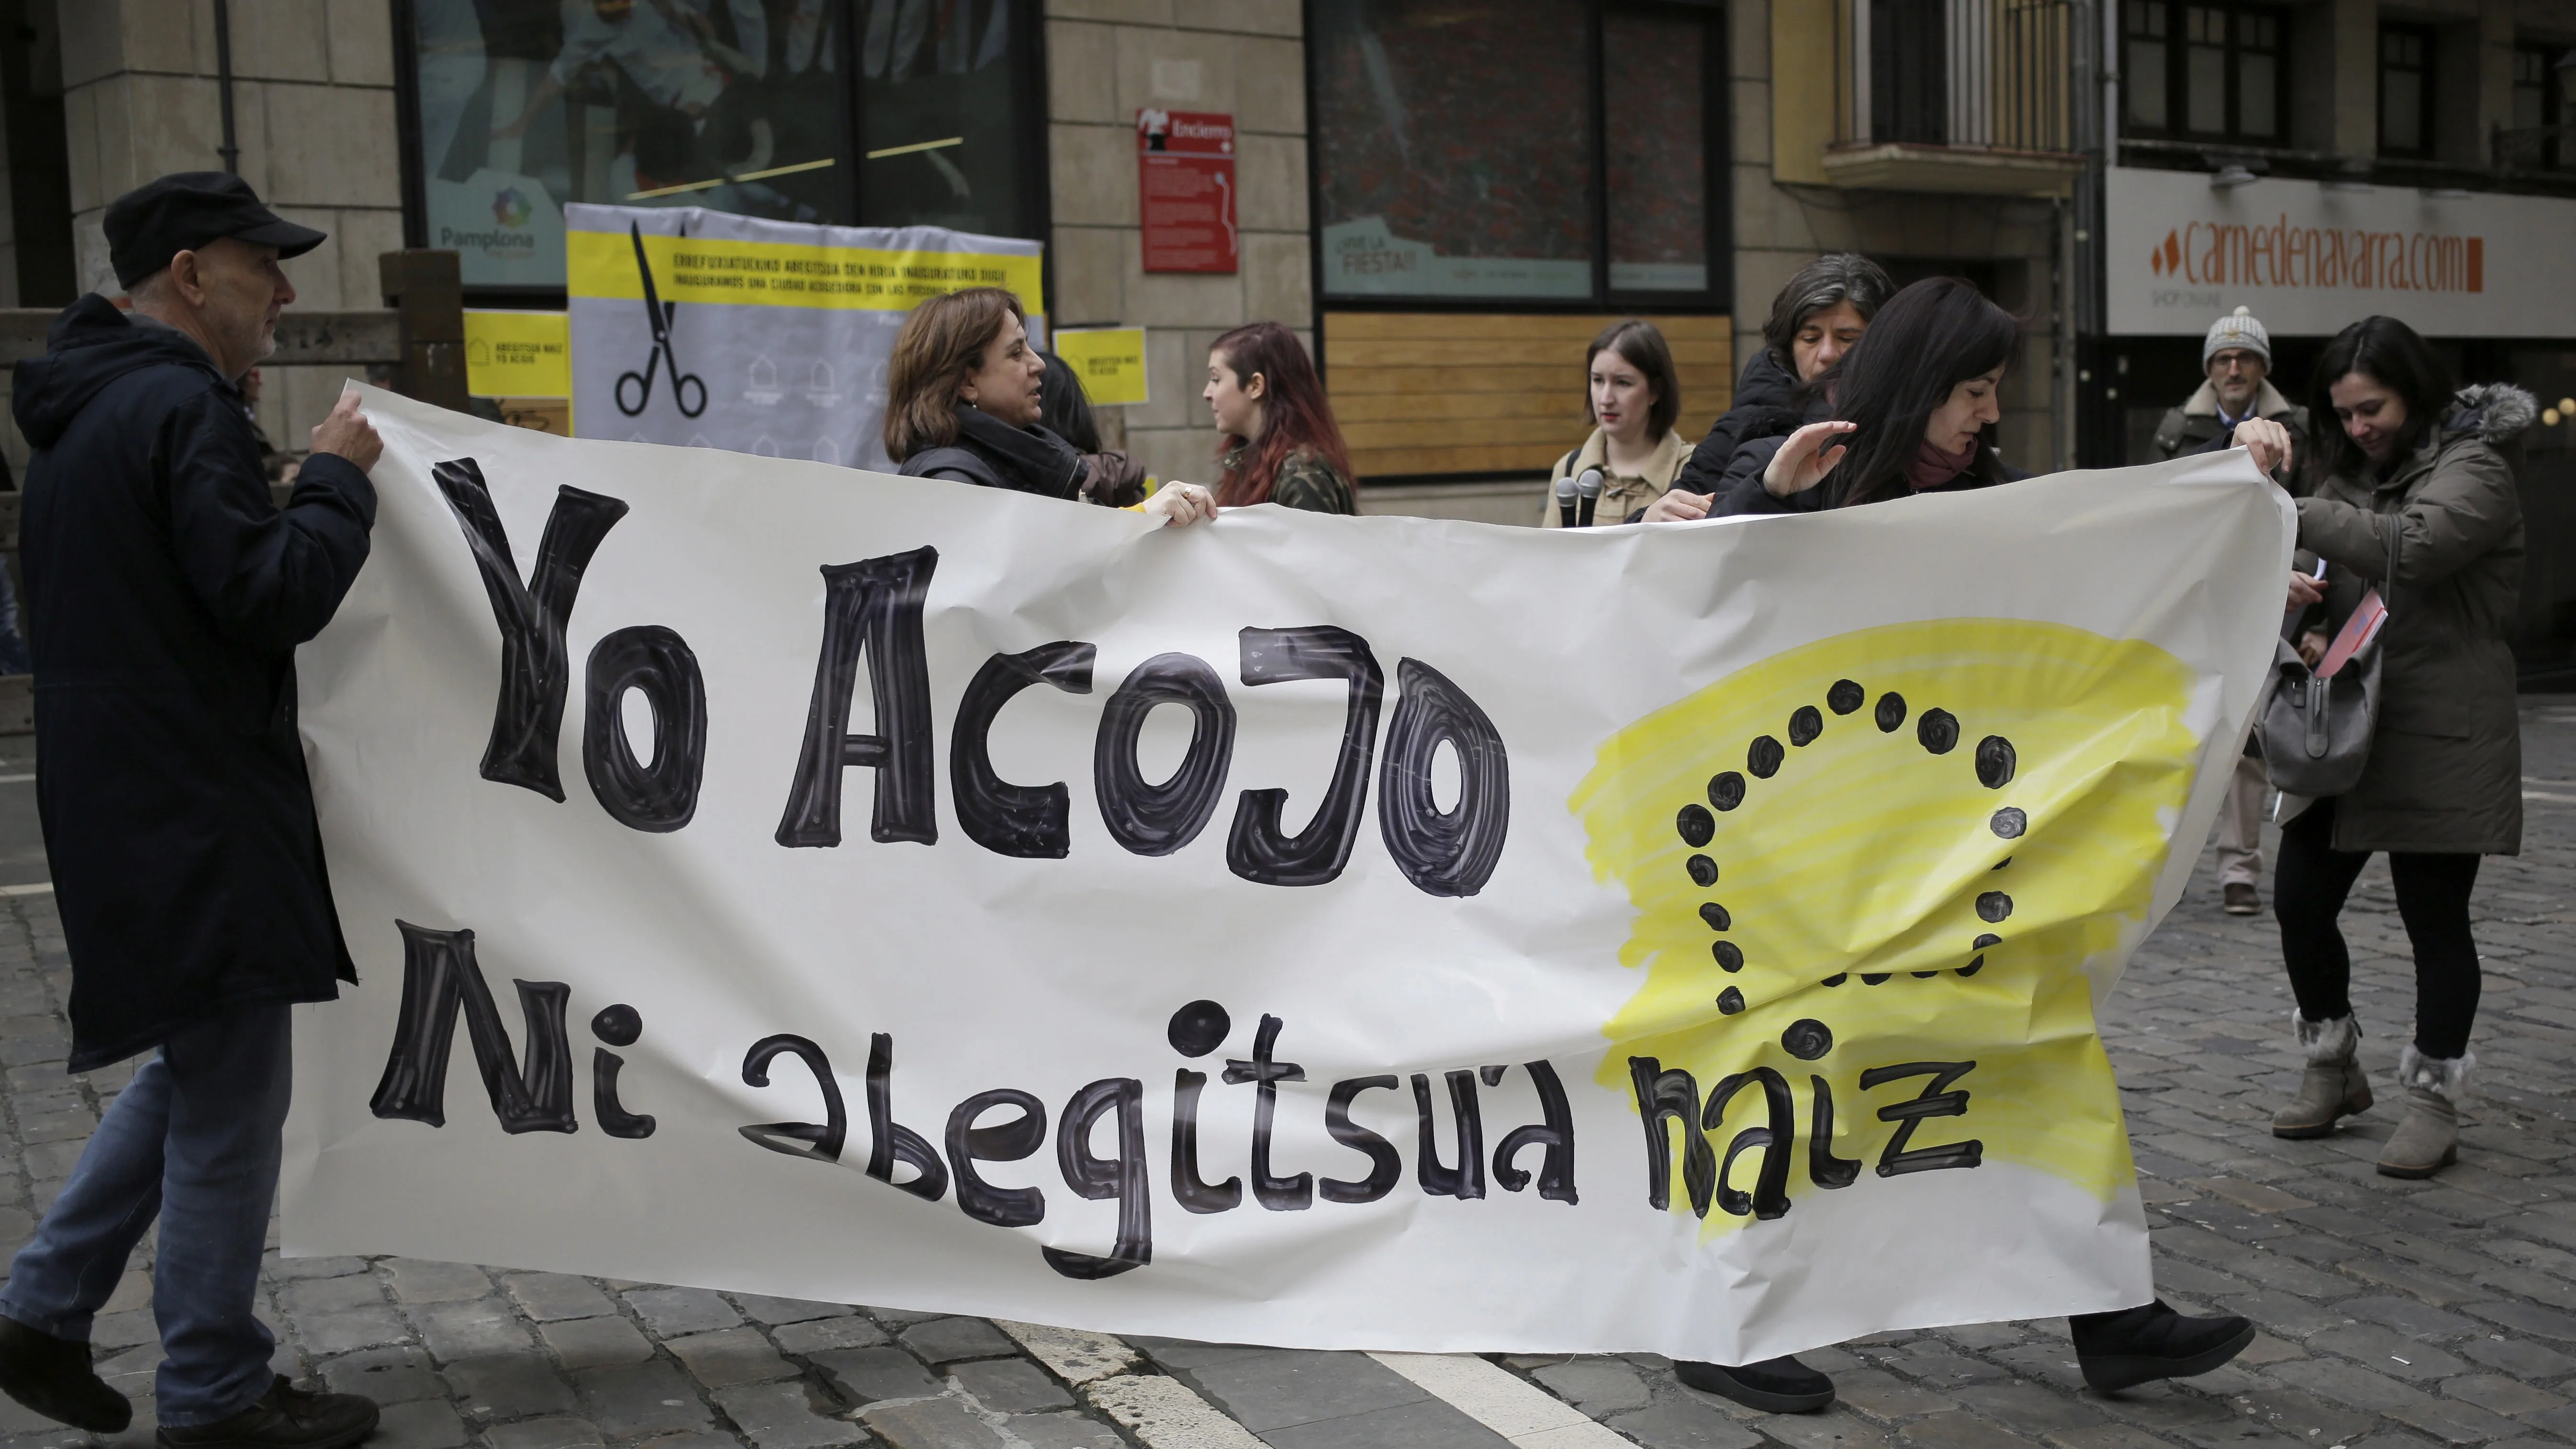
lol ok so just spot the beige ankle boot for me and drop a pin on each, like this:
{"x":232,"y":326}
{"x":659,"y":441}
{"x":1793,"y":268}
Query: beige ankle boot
{"x":2427,"y":1138}
{"x":2335,"y":1085}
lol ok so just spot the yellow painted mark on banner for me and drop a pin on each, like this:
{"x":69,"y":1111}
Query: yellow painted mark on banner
{"x":517,"y":354}
{"x":701,"y":270}
{"x":1866,"y":862}
{"x":1109,"y":360}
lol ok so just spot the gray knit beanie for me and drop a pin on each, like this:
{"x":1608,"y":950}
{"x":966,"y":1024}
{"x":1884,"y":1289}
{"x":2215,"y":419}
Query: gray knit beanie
{"x":2237,"y":330}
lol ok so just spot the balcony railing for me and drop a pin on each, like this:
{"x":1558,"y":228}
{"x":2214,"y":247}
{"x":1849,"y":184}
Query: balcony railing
{"x":2537,"y":151}
{"x":1971,"y":74}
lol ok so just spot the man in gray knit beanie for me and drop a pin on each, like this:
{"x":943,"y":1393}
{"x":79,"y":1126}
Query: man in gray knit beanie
{"x":2237,"y":356}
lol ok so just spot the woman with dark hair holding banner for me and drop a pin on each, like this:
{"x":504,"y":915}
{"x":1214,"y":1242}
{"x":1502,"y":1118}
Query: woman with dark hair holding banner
{"x":963,"y":397}
{"x":1916,"y":403}
{"x":1920,"y":395}
{"x":1279,"y":441}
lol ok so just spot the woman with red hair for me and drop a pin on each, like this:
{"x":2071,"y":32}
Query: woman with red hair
{"x":1280,"y":443}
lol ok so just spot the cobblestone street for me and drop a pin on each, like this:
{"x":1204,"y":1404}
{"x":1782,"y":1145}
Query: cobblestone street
{"x":2394,"y":1314}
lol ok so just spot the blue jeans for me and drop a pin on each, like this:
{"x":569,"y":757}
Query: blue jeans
{"x":195,"y":1140}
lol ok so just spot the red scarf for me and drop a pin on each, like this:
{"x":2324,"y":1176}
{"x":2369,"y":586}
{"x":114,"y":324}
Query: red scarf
{"x":1931,"y":467}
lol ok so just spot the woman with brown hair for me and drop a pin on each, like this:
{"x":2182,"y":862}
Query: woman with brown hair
{"x":963,"y":399}
{"x":1280,"y":444}
{"x":1633,"y":397}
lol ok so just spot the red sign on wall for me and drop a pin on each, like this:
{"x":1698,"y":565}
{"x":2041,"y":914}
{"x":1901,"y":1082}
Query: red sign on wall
{"x":1185,"y":187}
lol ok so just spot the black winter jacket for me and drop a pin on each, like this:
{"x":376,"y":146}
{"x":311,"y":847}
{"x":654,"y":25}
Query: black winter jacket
{"x":165,"y":596}
{"x":1766,"y":406}
{"x":1741,"y":490}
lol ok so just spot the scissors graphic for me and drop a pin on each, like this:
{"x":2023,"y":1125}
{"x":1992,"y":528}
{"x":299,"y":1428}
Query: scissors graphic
{"x":660,"y":312}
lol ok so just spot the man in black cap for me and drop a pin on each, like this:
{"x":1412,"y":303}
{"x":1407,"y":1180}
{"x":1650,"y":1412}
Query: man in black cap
{"x":165,"y":596}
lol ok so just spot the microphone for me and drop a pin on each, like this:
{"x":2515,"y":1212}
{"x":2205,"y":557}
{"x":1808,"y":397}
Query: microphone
{"x":1588,"y":487}
{"x":1565,"y":489}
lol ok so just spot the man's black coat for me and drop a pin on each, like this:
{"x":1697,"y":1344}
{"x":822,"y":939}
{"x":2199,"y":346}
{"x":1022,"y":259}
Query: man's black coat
{"x":165,"y":596}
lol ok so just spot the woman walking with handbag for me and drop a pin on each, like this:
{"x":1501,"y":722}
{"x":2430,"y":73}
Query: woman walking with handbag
{"x":2405,"y":470}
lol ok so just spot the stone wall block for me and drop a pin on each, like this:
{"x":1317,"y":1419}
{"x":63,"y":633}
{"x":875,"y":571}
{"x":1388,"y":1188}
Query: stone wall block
{"x":1270,"y":85}
{"x":82,"y":146}
{"x":1173,"y":375}
{"x":1766,"y":217}
{"x":1092,"y":170}
{"x":150,"y":125}
{"x":318,"y":275}
{"x":1127,"y":12}
{"x":1278,"y":278}
{"x":333,"y":146}
{"x":1270,"y":172}
{"x":93,"y":41}
{"x":1748,"y":42}
{"x":282,"y":39}
{"x":1178,"y":299}
{"x":362,"y":43}
{"x":1188,"y":454}
{"x":1082,"y":73}
{"x":362,"y":236}
{"x":1257,"y":17}
{"x":1751,"y":122}
{"x":1089,"y":275}
{"x":1182,"y":70}
{"x":308,"y":394}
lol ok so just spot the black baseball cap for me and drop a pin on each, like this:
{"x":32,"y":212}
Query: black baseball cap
{"x":181,"y":212}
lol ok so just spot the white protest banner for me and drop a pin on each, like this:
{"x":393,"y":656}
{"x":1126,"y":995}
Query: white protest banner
{"x":713,"y":330}
{"x":1339,"y":932}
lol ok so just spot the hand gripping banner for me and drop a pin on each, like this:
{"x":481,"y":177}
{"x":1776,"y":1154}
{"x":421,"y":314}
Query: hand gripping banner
{"x":1335,"y":932}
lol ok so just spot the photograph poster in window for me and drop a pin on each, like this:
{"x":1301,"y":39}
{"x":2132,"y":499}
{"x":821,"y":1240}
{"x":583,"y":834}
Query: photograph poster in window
{"x":1433,"y":182}
{"x":739,"y":106}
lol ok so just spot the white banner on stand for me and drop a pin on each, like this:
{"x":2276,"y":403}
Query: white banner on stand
{"x":1340,"y":932}
{"x":712,"y":330}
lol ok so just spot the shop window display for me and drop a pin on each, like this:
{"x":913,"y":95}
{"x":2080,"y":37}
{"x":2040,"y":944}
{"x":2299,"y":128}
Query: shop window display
{"x":1434,"y":185}
{"x":744,"y":106}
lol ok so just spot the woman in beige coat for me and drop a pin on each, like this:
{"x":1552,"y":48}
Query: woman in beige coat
{"x":1633,"y":397}
{"x":2397,"y":455}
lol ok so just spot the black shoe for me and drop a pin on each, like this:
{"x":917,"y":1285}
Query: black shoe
{"x":52,"y":1376}
{"x":1776,"y":1385}
{"x":285,"y":1417}
{"x":2140,"y":1345}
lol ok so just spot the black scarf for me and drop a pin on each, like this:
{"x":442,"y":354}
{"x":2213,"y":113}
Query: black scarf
{"x":1030,"y":460}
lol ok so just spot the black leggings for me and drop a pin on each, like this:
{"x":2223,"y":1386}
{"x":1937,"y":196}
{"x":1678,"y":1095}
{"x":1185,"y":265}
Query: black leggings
{"x":2432,"y":899}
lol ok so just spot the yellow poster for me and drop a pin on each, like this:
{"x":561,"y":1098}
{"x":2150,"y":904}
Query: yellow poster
{"x":1109,"y":360}
{"x":517,"y":354}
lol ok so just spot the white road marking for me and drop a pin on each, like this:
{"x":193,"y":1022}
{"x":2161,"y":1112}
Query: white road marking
{"x":1165,"y":1414}
{"x":2545,"y":796}
{"x":1075,"y":1356}
{"x":1519,"y":1411}
{"x":15,"y":779}
{"x":40,"y":888}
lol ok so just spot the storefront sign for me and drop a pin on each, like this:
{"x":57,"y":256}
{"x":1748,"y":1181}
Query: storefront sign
{"x":1286,"y":929}
{"x":2309,"y":258}
{"x":1185,"y":186}
{"x":517,"y":354}
{"x":720,"y":331}
{"x":1109,"y":360}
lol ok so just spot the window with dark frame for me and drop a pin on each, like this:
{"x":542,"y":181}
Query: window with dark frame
{"x":1431,"y":186}
{"x":2205,"y":72}
{"x":514,"y":108}
{"x":2540,"y":107}
{"x":2406,"y":91}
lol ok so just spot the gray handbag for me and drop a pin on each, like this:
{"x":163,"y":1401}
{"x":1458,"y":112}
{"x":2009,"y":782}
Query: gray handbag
{"x":2316,"y":732}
